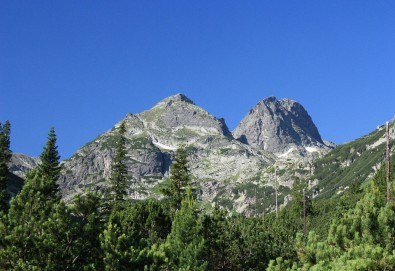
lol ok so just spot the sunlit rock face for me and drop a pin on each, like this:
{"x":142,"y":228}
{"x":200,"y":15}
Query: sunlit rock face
{"x":281,"y":127}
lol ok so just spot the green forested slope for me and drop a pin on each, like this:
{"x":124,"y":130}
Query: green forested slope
{"x":349,"y":164}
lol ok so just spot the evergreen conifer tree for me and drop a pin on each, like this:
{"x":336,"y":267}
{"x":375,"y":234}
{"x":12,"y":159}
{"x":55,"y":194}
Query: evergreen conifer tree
{"x":185,"y":245}
{"x":49,"y":169}
{"x":361,"y":239}
{"x":86,"y":211}
{"x":5,"y":156}
{"x":118,"y":180}
{"x":130,"y":233}
{"x":180,"y":178}
{"x":296,"y":204}
{"x":39,"y":232}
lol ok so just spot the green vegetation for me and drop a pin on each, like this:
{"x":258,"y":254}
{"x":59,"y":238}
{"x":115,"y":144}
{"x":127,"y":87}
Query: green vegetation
{"x":361,"y":238}
{"x":119,"y":181}
{"x":180,"y":178}
{"x":185,"y":133}
{"x":38,"y":230}
{"x":5,"y":157}
{"x":333,"y":171}
{"x":354,"y":230}
{"x":49,"y":169}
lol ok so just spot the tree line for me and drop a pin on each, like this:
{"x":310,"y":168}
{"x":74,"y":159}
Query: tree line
{"x":108,"y":231}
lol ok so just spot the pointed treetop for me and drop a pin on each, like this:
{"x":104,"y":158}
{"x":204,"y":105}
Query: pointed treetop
{"x":119,"y":174}
{"x":50,"y":165}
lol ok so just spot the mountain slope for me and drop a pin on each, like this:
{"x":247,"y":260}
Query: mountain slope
{"x":216,"y":158}
{"x":230,"y":173}
{"x":351,"y":163}
{"x":20,"y":164}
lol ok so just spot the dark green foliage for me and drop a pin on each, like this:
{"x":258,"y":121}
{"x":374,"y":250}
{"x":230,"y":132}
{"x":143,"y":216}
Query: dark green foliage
{"x":185,"y":245}
{"x":118,"y":180}
{"x":331,"y":169}
{"x":49,"y":169}
{"x":215,"y":226}
{"x":5,"y":157}
{"x":235,"y":243}
{"x":351,"y":231}
{"x":38,"y":231}
{"x":362,"y":238}
{"x":325,"y":210}
{"x":130,"y":233}
{"x":296,"y":205}
{"x":240,"y":243}
{"x":86,"y":211}
{"x":180,"y":178}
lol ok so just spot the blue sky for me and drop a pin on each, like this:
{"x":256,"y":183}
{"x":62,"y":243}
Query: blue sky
{"x":81,"y":66}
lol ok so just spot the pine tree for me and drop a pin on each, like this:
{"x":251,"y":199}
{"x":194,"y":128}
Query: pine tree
{"x":118,"y":180}
{"x":49,"y":169}
{"x":89,"y":223}
{"x":130,"y":233}
{"x":185,"y":245}
{"x":296,"y":204}
{"x":5,"y":156}
{"x":360,"y":239}
{"x":39,"y":232}
{"x":180,"y":178}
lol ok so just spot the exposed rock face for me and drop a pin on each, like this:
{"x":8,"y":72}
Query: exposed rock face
{"x":228,"y":172}
{"x":281,"y":127}
{"x":152,"y":138}
{"x":20,"y":164}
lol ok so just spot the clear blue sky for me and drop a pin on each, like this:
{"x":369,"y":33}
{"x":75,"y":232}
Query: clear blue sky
{"x":81,"y":66}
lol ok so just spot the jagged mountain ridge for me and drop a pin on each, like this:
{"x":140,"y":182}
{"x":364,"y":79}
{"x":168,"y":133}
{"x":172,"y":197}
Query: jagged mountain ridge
{"x":227,"y":170}
{"x":281,"y":127}
{"x":216,"y":158}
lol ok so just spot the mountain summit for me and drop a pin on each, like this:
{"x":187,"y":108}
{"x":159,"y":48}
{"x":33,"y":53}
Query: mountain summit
{"x":280,"y":127}
{"x":179,"y":97}
{"x":178,"y":112}
{"x":229,"y":170}
{"x":152,"y":137}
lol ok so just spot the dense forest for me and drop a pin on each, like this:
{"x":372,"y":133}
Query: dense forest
{"x":104,"y":230}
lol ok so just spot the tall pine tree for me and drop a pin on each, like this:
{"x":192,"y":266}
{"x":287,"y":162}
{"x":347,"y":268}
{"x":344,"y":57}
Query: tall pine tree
{"x":119,"y":173}
{"x":86,"y":212}
{"x":39,"y":232}
{"x":185,"y":245}
{"x":5,"y":156}
{"x":49,"y":169}
{"x":180,"y":178}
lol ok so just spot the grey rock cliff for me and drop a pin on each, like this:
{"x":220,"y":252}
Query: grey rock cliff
{"x":153,"y":136}
{"x":20,"y":164}
{"x":227,"y":171}
{"x":280,"y":127}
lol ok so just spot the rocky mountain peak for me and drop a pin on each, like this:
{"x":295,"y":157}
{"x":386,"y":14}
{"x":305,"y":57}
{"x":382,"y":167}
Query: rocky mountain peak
{"x":279,"y":126}
{"x":152,"y":137}
{"x":269,"y":99}
{"x":175,"y":99}
{"x":179,"y":115}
